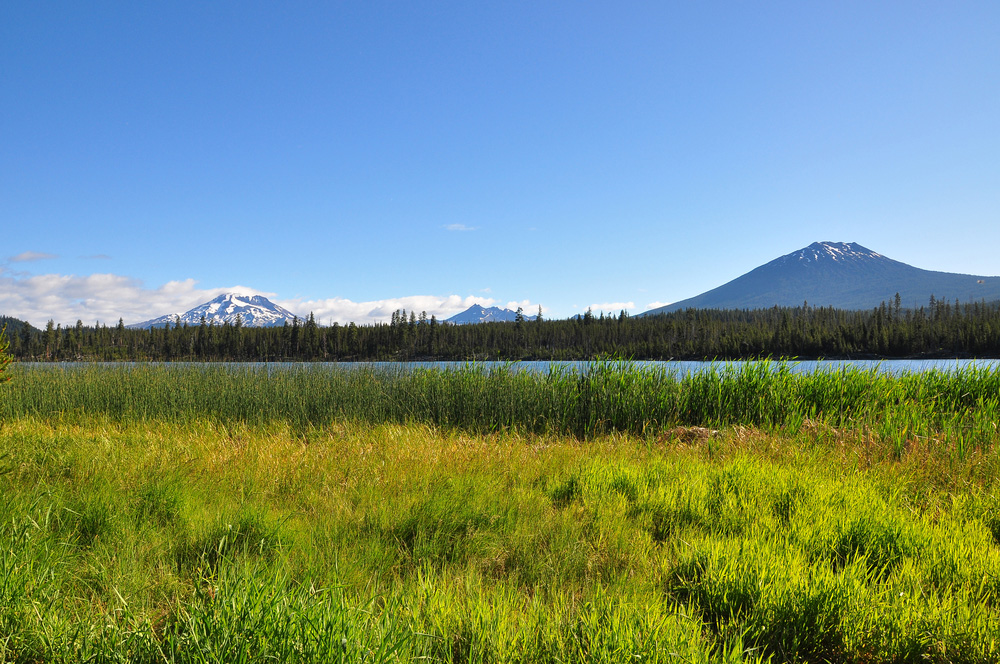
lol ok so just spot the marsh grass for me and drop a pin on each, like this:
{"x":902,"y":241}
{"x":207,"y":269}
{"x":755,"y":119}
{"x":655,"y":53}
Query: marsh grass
{"x":131,"y":531}
{"x":960,"y":407}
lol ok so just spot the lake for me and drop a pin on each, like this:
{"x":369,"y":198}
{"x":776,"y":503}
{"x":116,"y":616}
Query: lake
{"x":682,"y":368}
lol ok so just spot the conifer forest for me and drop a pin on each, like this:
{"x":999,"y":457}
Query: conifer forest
{"x":941,"y":329}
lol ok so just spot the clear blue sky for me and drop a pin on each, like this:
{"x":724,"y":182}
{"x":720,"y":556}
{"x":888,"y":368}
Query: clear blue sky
{"x":349,"y":157}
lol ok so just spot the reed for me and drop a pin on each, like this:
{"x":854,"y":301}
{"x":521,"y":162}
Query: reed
{"x":962,"y":406}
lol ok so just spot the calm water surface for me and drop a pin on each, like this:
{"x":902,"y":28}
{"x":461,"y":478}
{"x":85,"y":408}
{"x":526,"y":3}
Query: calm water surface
{"x":680,"y":368}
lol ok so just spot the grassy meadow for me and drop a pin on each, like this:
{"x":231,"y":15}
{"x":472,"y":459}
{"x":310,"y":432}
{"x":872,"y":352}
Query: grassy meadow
{"x":225,"y":514}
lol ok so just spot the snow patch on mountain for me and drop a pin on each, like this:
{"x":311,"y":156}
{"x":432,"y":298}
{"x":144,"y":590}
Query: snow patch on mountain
{"x":835,"y":251}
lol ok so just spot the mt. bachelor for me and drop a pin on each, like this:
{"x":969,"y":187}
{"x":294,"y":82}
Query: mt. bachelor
{"x":844,"y":275}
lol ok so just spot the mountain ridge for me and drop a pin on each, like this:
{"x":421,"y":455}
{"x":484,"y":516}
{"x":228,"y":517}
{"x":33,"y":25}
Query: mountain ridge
{"x":844,"y":275}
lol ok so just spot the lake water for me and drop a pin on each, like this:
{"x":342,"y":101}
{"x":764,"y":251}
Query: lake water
{"x":684,"y":368}
{"x":681,"y":368}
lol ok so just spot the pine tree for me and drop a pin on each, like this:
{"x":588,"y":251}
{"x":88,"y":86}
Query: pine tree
{"x":295,"y":337}
{"x":311,"y":337}
{"x":50,"y":339}
{"x":5,"y":359}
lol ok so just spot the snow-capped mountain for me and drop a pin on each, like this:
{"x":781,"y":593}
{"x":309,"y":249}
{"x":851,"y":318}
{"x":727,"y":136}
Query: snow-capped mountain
{"x":479,"y":314}
{"x":844,"y":275}
{"x":251,"y":310}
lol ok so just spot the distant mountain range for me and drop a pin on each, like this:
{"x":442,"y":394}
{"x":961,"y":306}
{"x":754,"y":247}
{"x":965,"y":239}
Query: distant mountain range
{"x":479,"y":314}
{"x":843,"y":275}
{"x":258,"y":311}
{"x":251,"y":310}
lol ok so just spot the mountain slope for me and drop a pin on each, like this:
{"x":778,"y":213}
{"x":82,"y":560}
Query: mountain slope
{"x":15,"y":325}
{"x":251,"y":310}
{"x":838,"y":274}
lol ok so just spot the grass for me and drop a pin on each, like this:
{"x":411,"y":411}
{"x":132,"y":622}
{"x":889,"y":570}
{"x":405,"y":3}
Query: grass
{"x":962,"y":406}
{"x":222,"y":529}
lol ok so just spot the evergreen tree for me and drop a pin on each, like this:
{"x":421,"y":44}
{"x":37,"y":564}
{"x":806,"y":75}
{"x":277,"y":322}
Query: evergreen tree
{"x":5,"y":359}
{"x":50,"y":339}
{"x":310,"y":336}
{"x":294,"y":342}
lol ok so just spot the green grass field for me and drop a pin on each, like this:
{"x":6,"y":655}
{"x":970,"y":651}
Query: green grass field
{"x":221,"y":515}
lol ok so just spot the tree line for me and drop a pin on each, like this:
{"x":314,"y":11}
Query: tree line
{"x":941,"y":329}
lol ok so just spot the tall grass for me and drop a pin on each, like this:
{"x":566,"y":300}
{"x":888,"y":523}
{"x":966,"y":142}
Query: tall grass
{"x":202,"y":543}
{"x":963,"y":405}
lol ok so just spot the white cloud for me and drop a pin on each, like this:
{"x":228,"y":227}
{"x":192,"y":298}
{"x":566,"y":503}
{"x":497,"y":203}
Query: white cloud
{"x":342,"y":310}
{"x":99,"y":297}
{"x":612,"y":307}
{"x":108,"y":297}
{"x":656,"y":305}
{"x":460,"y":227}
{"x":530,"y":308}
{"x":28,"y":256}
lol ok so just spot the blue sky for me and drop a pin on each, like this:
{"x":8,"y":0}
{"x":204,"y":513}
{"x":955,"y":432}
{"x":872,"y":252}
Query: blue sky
{"x":348,"y":158}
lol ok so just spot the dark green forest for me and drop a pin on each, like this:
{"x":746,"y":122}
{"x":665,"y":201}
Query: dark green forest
{"x":942,"y":329}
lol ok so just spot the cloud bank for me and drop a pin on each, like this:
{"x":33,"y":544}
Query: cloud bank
{"x":100,"y":298}
{"x":341,"y":310}
{"x":612,"y":307}
{"x":104,"y":298}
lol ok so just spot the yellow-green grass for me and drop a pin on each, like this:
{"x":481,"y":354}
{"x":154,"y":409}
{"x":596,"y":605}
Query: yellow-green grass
{"x":961,"y":407}
{"x":195,"y":539}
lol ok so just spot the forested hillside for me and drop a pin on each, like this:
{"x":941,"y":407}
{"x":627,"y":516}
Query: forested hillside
{"x":13,"y":325}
